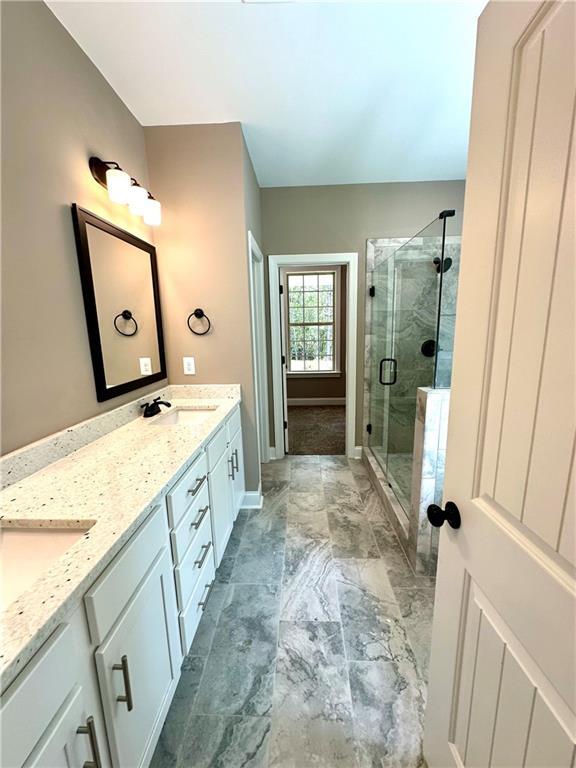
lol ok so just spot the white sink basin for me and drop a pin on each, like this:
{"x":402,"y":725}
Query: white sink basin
{"x":191,"y":416}
{"x":26,"y":553}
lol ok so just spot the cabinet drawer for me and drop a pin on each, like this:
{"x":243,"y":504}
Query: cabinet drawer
{"x":234,"y":423}
{"x":216,"y":447}
{"x":188,"y":572}
{"x":189,"y":527}
{"x":190,"y":617}
{"x":105,"y":601}
{"x":30,"y":703}
{"x":186,"y":489}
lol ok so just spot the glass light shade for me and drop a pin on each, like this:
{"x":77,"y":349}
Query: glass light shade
{"x":118,"y":183}
{"x":137,"y":199}
{"x":152,"y":212}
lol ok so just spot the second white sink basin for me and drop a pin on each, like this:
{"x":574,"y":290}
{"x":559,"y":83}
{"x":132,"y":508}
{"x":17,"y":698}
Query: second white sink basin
{"x":192,"y":416}
{"x":26,"y":553}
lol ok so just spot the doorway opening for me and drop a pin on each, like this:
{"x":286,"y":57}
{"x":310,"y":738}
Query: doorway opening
{"x":313,"y":323}
{"x":314,"y":340}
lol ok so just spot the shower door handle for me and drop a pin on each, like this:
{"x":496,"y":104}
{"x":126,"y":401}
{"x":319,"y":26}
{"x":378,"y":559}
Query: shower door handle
{"x":394,"y":371}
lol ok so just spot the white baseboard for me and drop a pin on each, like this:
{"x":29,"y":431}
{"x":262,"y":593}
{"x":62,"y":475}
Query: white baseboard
{"x":357,"y":453}
{"x":252,"y":500}
{"x":273,"y":454}
{"x":316,"y":401}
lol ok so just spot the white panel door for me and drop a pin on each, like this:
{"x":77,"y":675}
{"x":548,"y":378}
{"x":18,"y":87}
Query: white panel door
{"x":503,"y":677}
{"x":238,"y":485}
{"x":221,"y":501}
{"x":62,"y":746}
{"x":138,"y":666}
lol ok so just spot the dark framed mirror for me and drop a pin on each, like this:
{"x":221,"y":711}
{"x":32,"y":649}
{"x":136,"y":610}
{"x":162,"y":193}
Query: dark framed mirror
{"x":119,"y":277}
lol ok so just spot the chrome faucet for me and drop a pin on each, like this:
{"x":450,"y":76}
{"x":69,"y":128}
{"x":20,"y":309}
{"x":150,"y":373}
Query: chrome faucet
{"x":153,"y":408}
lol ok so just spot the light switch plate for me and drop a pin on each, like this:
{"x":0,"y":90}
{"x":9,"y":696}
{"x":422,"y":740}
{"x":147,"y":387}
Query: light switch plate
{"x":189,"y":366}
{"x":145,"y":366}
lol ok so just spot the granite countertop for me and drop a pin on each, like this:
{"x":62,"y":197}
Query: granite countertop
{"x":109,"y":486}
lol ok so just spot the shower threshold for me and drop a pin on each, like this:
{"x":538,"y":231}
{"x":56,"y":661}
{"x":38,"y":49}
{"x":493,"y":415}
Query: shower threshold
{"x":397,"y":468}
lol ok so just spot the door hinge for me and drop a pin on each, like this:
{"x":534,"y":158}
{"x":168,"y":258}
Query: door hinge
{"x":372,"y":291}
{"x":369,"y":428}
{"x":281,"y":289}
{"x":283,"y":359}
{"x":285,"y":425}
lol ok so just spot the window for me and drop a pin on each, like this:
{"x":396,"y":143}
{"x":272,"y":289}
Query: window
{"x":312,"y":321}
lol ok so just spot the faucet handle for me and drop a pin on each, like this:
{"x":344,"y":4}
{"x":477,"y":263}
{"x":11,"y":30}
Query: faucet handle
{"x":144,"y":405}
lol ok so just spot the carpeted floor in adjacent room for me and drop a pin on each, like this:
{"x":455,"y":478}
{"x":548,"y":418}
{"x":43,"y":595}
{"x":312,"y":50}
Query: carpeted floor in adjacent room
{"x":317,"y":430}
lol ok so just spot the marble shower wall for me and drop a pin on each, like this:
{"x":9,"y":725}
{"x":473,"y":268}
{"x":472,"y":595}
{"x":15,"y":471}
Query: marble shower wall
{"x":448,"y":313}
{"x":429,"y":459}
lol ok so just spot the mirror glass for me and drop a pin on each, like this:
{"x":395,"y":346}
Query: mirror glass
{"x":123,"y":281}
{"x":120,"y":286}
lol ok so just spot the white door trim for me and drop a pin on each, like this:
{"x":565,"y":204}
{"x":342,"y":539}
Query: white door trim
{"x":259,"y":351}
{"x":275,"y":263}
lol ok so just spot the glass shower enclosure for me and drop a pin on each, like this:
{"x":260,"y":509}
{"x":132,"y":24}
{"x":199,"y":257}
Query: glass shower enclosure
{"x":412,"y":331}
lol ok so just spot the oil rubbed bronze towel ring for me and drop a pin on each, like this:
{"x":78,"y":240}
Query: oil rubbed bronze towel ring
{"x":126,"y":315}
{"x":199,"y":315}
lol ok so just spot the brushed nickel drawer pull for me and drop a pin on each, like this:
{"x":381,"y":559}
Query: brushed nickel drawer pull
{"x":90,"y":730}
{"x":198,"y":522}
{"x":206,"y":548}
{"x":123,"y":667}
{"x":199,"y":480}
{"x":203,"y":603}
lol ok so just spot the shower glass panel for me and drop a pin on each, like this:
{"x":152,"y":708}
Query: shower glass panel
{"x":405,"y":325}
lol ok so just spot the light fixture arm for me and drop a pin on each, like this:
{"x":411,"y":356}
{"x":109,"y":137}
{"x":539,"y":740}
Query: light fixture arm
{"x":99,"y":167}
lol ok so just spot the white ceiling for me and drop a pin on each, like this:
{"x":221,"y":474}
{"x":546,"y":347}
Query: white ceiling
{"x":327,"y":93}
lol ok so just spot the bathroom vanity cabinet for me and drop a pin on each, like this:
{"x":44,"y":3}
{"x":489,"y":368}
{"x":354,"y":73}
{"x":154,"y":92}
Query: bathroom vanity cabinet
{"x":98,"y":690}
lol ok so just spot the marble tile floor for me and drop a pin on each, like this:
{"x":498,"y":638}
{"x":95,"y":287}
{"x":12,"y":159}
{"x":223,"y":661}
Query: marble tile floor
{"x":313,"y":649}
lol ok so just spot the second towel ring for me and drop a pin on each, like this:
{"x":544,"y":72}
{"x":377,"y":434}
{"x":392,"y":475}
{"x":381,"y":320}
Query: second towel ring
{"x":199,"y":315}
{"x":126,"y":315}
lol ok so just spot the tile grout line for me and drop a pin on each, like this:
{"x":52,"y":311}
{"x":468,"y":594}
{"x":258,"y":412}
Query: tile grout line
{"x":280,"y":592}
{"x":344,"y":648}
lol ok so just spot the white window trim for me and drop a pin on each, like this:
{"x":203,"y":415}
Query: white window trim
{"x":336,"y":269}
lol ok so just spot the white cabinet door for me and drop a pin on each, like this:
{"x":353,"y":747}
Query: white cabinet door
{"x":138,"y":666}
{"x":221,"y":507}
{"x":503,"y":666}
{"x":71,"y":740}
{"x":238,"y":484}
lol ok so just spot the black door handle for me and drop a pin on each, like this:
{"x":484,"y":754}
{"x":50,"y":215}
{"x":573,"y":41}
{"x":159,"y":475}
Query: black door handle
{"x":394,"y":371}
{"x":437,"y":515}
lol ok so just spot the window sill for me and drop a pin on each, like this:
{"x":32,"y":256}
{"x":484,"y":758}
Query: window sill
{"x":313,"y":374}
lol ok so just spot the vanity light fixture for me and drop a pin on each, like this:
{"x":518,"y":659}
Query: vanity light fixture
{"x":124,"y":189}
{"x":137,"y":197}
{"x":152,"y":212}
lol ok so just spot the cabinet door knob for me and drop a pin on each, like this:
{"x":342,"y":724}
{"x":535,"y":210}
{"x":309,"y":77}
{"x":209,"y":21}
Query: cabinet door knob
{"x":90,"y":730}
{"x":127,"y":697}
{"x":437,"y":516}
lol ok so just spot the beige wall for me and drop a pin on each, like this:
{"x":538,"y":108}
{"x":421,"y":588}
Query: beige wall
{"x":57,"y":110}
{"x":341,"y":218}
{"x":198,"y":173}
